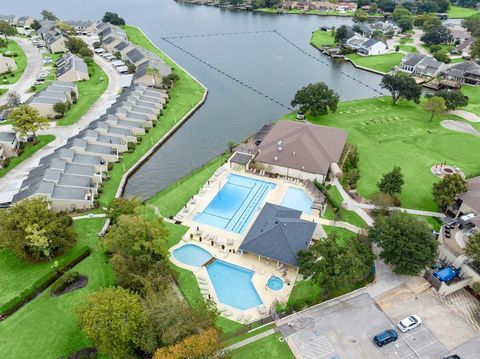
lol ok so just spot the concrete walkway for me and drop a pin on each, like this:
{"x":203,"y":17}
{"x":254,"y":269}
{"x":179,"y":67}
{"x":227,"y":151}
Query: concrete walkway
{"x":33,"y":68}
{"x":250,"y":340}
{"x":418,"y":43}
{"x":469,"y":116}
{"x":63,"y":133}
{"x":89,"y":216}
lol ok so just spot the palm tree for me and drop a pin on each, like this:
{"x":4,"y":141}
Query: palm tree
{"x":155,"y":72}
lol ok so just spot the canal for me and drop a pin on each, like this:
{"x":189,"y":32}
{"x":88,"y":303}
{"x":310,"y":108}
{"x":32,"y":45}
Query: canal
{"x":257,"y":55}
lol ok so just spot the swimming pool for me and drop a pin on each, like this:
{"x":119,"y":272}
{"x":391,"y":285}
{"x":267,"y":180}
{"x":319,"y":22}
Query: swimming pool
{"x":275,"y":283}
{"x":192,"y":255}
{"x":296,"y":198}
{"x":233,"y":285}
{"x":235,"y":204}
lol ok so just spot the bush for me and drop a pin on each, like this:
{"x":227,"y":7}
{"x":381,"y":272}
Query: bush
{"x":61,"y":283}
{"x":333,"y":202}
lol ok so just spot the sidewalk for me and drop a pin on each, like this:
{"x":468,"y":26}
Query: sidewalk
{"x":250,"y":340}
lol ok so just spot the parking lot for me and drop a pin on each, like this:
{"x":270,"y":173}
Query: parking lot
{"x":345,"y":328}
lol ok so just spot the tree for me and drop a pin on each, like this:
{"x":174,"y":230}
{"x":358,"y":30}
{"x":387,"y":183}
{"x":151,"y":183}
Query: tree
{"x":401,"y":86}
{"x":34,"y":232}
{"x":437,"y":35}
{"x":157,"y":76}
{"x":360,"y":16}
{"x":140,"y":256}
{"x":472,"y":24}
{"x":443,"y":5}
{"x":407,"y":243}
{"x":113,"y":18}
{"x":435,"y":105}
{"x":202,"y":345}
{"x":445,"y":191}
{"x":112,"y":318}
{"x":85,"y":52}
{"x":473,"y":247}
{"x":26,"y":119}
{"x":441,"y":55}
{"x":48,"y":15}
{"x":13,"y":101}
{"x":399,"y":12}
{"x":373,"y":9}
{"x":60,"y":108}
{"x":65,"y":28}
{"x":336,"y":267}
{"x":6,"y":29}
{"x":316,"y":98}
{"x":170,"y":320}
{"x":387,"y":5}
{"x":378,"y":34}
{"x":453,"y":98}
{"x":341,"y":34}
{"x":122,"y":206}
{"x":35,"y":25}
{"x":405,"y":23}
{"x":475,"y":49}
{"x":74,"y":44}
{"x":428,"y":7}
{"x":392,"y":182}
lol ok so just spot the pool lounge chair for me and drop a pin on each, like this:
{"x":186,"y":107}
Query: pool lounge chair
{"x":222,"y":309}
{"x":247,"y":318}
{"x":201,"y":277}
{"x":241,"y":316}
{"x":262,"y":309}
{"x":227,"y":313}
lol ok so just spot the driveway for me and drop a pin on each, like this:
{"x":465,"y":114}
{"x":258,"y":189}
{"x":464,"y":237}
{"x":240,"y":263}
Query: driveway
{"x":63,"y":133}
{"x":33,"y":68}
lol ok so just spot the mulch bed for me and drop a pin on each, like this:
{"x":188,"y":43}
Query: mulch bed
{"x":81,"y":282}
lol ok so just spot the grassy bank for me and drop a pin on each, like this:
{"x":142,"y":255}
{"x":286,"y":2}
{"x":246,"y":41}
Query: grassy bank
{"x":20,"y":60}
{"x":46,"y":327}
{"x":315,"y":12}
{"x":89,"y":91}
{"x":401,"y":135}
{"x":382,"y":63}
{"x":473,"y":93}
{"x":458,"y":12}
{"x":268,"y":347}
{"x":322,"y":38}
{"x":183,"y":97}
{"x":28,"y":150}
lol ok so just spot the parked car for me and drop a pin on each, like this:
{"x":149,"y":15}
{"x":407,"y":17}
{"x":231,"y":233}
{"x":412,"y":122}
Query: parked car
{"x":385,"y":337}
{"x":454,"y":356}
{"x":300,"y":115}
{"x":409,"y":323}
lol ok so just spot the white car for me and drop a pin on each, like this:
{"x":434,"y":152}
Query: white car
{"x":409,"y":323}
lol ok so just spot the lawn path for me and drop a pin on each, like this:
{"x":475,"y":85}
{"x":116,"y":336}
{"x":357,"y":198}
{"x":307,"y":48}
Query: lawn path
{"x":469,"y":116}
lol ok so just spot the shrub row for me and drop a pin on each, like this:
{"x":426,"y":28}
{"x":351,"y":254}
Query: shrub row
{"x":61,"y":283}
{"x":41,"y":284}
{"x":331,"y":200}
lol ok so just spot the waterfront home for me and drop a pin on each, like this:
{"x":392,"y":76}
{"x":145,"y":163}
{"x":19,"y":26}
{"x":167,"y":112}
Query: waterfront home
{"x":459,"y":33}
{"x":105,"y":30}
{"x":57,"y":91}
{"x":355,"y":41}
{"x":83,"y":27}
{"x":119,"y":143}
{"x":301,"y":150}
{"x":110,"y":42}
{"x":9,"y":146}
{"x":346,"y":6}
{"x":71,"y":68}
{"x":106,"y":128}
{"x":55,"y":41}
{"x":465,"y":47}
{"x":7,"y":64}
{"x":372,"y":47}
{"x":421,"y":65}
{"x":25,"y":21}
{"x":464,"y":72}
{"x":151,"y":73}
{"x":278,"y":234}
{"x":323,"y":6}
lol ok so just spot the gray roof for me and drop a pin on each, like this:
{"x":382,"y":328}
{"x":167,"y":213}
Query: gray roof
{"x":109,"y":40}
{"x":412,"y":59}
{"x":79,"y":23}
{"x":61,"y":192}
{"x":134,"y":55}
{"x":279,"y":234}
{"x":241,"y":158}
{"x":70,"y":61}
{"x":121,"y":45}
{"x":370,"y":42}
{"x":472,"y":196}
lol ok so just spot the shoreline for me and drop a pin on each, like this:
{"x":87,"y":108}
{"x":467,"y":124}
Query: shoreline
{"x":132,"y":169}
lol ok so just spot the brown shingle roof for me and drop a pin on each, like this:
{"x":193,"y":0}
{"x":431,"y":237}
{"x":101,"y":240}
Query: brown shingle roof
{"x":302,"y":146}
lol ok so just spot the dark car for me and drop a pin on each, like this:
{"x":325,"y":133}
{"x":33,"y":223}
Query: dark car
{"x":454,"y":356}
{"x":385,"y":337}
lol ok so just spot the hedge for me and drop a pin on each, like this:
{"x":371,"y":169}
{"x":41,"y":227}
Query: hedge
{"x":41,"y":284}
{"x":333,"y":202}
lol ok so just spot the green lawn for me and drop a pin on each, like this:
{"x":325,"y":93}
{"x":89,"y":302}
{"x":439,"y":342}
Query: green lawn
{"x":28,"y":150}
{"x":183,"y":97}
{"x":473,"y":93}
{"x":344,"y":215}
{"x":341,"y":233}
{"x":172,"y":199}
{"x":322,"y":38}
{"x":457,"y":60}
{"x":408,"y":48}
{"x":381,"y":63}
{"x":247,"y":335}
{"x":20,"y":60}
{"x":304,"y":290}
{"x":46,"y":327}
{"x":89,"y":91}
{"x":458,"y":12}
{"x":189,"y":285}
{"x":2,"y":91}
{"x":403,"y":136}
{"x":406,"y":40}
{"x":268,"y":347}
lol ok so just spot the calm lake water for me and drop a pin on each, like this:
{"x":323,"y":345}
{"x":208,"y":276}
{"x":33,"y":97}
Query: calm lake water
{"x":263,"y":60}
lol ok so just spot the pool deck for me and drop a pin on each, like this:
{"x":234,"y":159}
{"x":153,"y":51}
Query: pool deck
{"x":222,"y":244}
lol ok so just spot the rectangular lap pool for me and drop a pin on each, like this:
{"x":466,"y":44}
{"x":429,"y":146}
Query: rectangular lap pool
{"x":235,"y":204}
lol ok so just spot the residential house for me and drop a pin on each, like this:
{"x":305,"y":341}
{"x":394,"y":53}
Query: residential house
{"x":9,"y":146}
{"x":11,"y":19}
{"x":71,"y":68}
{"x":464,"y":72}
{"x":323,"y":6}
{"x":83,"y":27}
{"x":356,"y":41}
{"x":459,"y":33}
{"x":465,"y":47}
{"x":151,"y":73}
{"x":373,"y":47}
{"x":278,"y":234}
{"x":25,"y":21}
{"x":7,"y":64}
{"x":57,"y":91}
{"x":301,"y":150}
{"x":346,"y":6}
{"x":55,"y":41}
{"x":421,"y":65}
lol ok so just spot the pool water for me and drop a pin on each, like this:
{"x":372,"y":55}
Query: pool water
{"x":275,"y":283}
{"x":192,"y":255}
{"x":235,"y":204}
{"x":233,"y":285}
{"x":296,"y":198}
